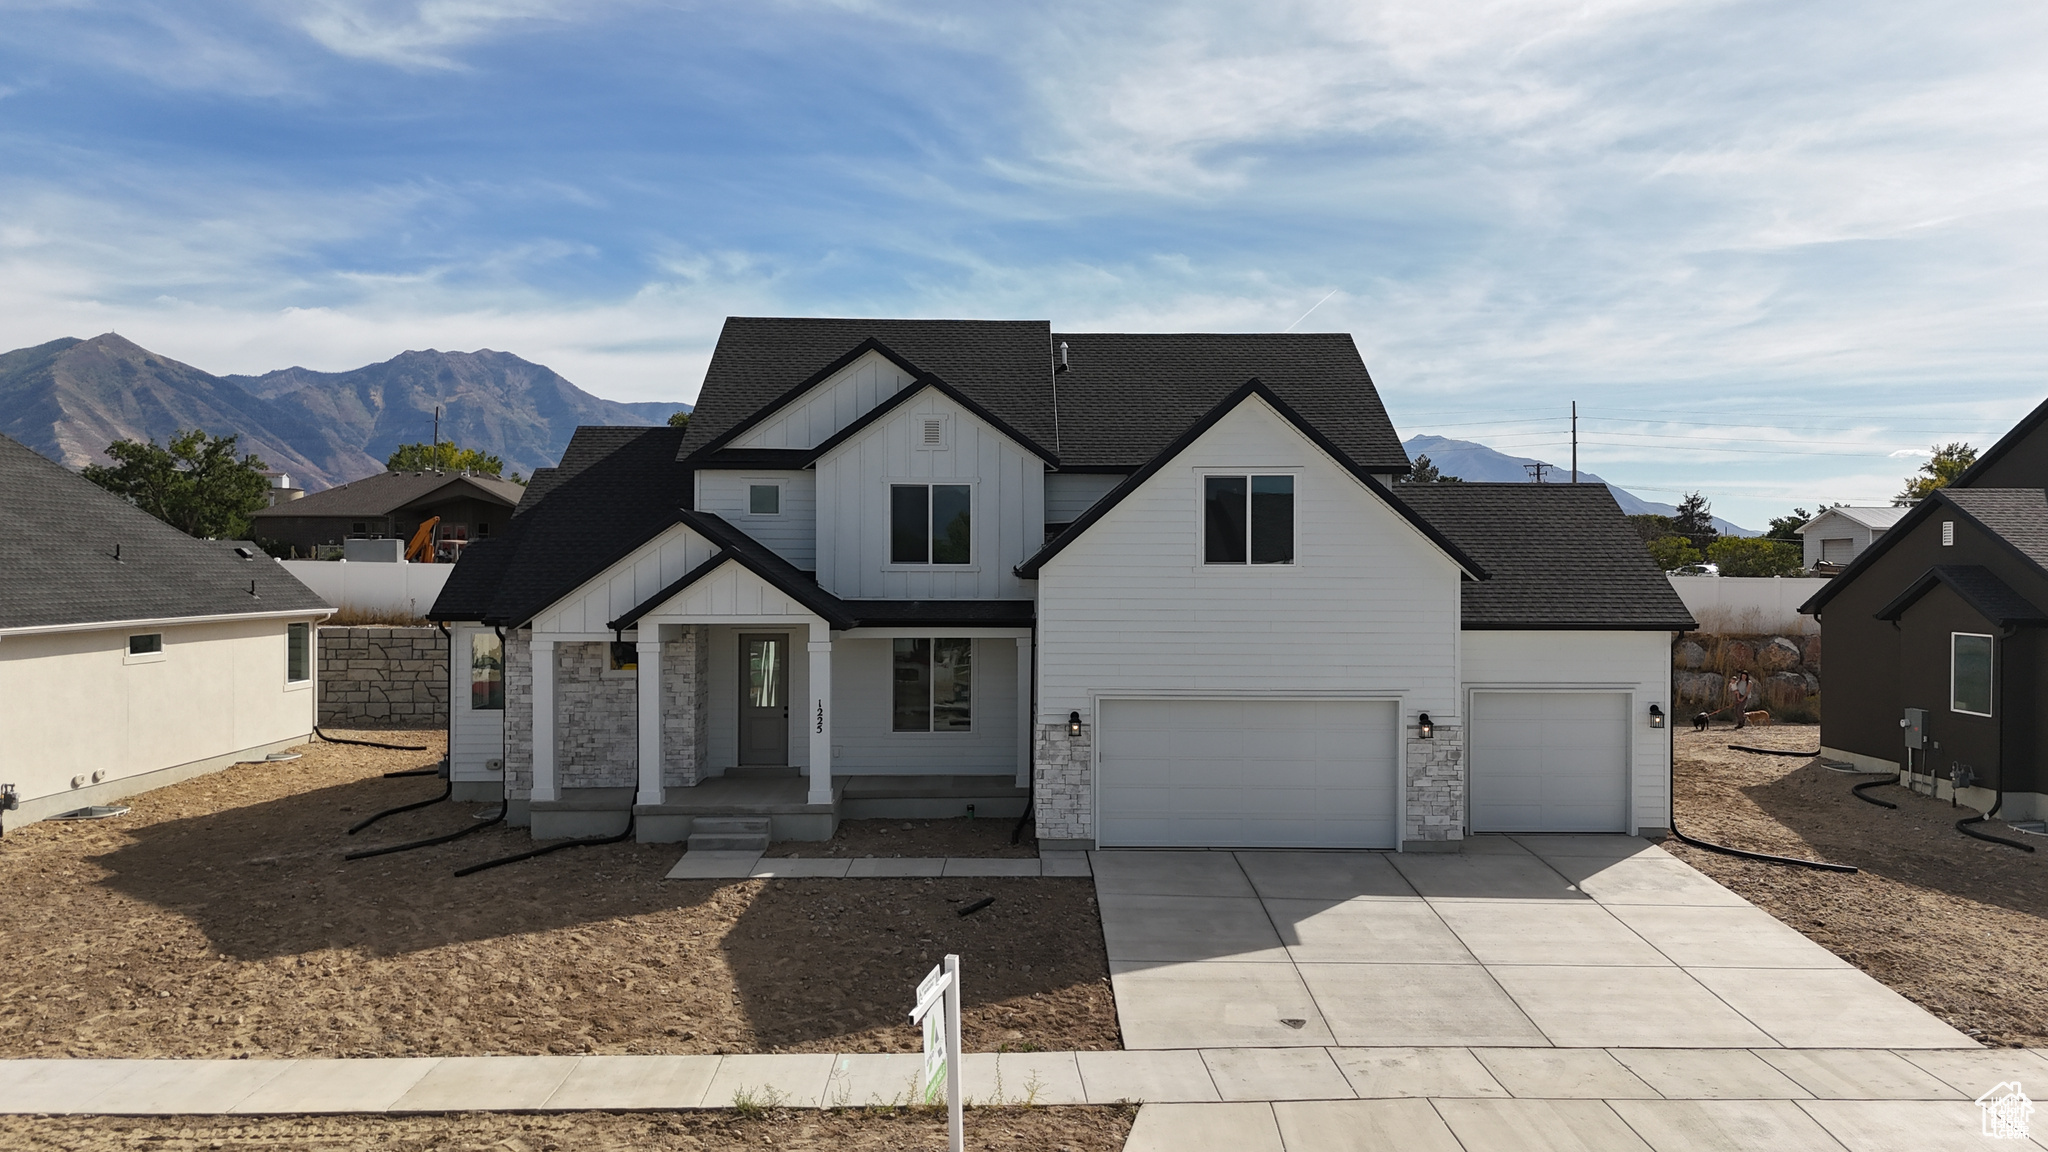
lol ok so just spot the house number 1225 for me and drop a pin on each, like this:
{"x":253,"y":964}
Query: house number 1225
{"x":821,"y":716}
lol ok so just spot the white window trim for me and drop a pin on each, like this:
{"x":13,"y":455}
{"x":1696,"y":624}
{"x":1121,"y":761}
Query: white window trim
{"x":747,"y":499}
{"x":918,"y":421}
{"x":312,"y":658}
{"x":161,"y":654}
{"x":1992,"y":687}
{"x":1202,"y":476}
{"x":974,"y":542}
{"x":974,"y":661}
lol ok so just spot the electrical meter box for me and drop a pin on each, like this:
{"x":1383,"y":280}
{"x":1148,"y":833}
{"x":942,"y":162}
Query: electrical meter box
{"x":1915,"y":726}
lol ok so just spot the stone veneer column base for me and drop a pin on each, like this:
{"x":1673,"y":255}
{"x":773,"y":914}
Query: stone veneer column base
{"x":1436,"y":789}
{"x":1063,"y":783}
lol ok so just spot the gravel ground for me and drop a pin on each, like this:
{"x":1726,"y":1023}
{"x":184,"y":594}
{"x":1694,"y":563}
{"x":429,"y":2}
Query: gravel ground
{"x":857,"y":1130}
{"x":1956,"y":925}
{"x":917,"y":838}
{"x":218,"y":918}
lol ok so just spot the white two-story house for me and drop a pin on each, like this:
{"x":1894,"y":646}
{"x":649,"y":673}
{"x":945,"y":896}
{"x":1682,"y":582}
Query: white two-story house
{"x":1154,"y":589}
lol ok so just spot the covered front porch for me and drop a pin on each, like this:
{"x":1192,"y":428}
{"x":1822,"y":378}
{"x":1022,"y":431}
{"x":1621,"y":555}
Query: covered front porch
{"x":725,"y":698}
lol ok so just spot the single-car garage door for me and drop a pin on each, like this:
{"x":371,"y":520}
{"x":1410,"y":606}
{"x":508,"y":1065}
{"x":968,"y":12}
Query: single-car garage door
{"x":1247,"y":774}
{"x":1549,"y":761}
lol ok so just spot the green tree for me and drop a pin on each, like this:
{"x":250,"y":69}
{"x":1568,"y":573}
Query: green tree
{"x":443,"y":457}
{"x":1695,"y":521}
{"x":1754,"y":556}
{"x":195,"y":484}
{"x":1787,"y":527}
{"x":679,"y":420}
{"x":1948,"y":463}
{"x":1673,"y":552}
{"x":1650,"y":526}
{"x":1425,"y":472}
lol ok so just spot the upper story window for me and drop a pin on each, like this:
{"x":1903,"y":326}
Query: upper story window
{"x":146,"y":644}
{"x":931,"y":524}
{"x":298,"y":649}
{"x":1248,"y":519}
{"x":486,"y":672}
{"x":764,"y":499}
{"x":1970,"y":673}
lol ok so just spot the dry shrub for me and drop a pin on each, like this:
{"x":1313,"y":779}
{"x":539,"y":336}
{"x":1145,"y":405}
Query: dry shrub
{"x":350,"y":616}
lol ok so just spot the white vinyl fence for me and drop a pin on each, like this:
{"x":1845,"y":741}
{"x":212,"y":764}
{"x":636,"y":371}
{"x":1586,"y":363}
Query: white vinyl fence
{"x":401,"y":587}
{"x":1749,"y":604}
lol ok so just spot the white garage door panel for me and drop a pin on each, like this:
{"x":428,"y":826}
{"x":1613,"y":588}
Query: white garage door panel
{"x":1247,"y":773}
{"x":1549,"y":761}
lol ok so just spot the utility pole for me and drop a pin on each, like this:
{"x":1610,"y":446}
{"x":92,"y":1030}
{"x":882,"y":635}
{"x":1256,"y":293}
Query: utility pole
{"x":436,"y":458}
{"x":1535,"y":470}
{"x":1575,"y":441}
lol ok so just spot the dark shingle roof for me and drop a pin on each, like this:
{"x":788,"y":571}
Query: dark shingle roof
{"x":1004,"y":365}
{"x":1125,"y":396}
{"x":379,"y":495}
{"x":1978,"y":587}
{"x":1122,"y":400}
{"x":587,"y":445}
{"x":2016,"y":516}
{"x":58,"y":534}
{"x":1557,"y":555}
{"x":590,"y":520}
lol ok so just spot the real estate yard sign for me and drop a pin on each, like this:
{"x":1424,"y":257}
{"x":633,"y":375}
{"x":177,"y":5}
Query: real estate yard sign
{"x":938,"y":1010}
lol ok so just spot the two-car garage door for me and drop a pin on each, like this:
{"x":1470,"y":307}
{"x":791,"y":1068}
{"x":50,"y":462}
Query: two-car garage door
{"x":1247,"y":773}
{"x":1549,"y":761}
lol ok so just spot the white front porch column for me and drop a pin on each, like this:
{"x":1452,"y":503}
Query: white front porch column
{"x":544,"y":720}
{"x":649,"y":659}
{"x":819,"y":720}
{"x":1024,"y":716}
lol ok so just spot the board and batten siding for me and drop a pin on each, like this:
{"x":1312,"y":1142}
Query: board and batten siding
{"x":1633,"y":662}
{"x":791,"y":533}
{"x":619,"y":589}
{"x":1368,"y":608}
{"x":853,"y":506}
{"x":863,"y":739}
{"x":476,"y":735}
{"x":836,"y":401}
{"x":1068,"y":494}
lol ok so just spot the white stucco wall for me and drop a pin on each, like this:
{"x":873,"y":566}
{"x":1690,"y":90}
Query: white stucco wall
{"x":1369,"y":608}
{"x":1635,"y":662}
{"x":75,"y":703}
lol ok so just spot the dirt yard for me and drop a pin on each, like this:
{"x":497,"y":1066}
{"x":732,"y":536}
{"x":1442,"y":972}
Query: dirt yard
{"x":219,"y":918}
{"x":857,"y":1130}
{"x":962,"y":837}
{"x":1957,"y":925}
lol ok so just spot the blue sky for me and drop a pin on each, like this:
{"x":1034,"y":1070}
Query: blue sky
{"x":1772,"y":250}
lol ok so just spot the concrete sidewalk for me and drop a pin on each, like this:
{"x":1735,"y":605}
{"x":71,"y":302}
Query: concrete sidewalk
{"x":754,"y":865}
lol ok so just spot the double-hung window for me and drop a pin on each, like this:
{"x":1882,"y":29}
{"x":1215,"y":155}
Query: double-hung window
{"x":933,"y":685}
{"x":1970,"y":673}
{"x":1248,"y":519}
{"x":931,"y":524}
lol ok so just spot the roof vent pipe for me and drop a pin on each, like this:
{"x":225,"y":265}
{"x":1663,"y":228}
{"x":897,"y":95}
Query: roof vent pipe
{"x":1063,"y":357}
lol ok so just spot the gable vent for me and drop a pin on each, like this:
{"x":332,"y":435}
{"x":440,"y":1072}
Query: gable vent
{"x":934,"y":431}
{"x":1948,"y":533}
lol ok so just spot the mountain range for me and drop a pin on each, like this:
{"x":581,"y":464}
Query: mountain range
{"x":1469,"y":461}
{"x":68,"y":399}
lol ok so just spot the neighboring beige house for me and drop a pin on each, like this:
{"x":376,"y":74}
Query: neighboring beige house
{"x":1835,"y":536}
{"x":132,"y":655}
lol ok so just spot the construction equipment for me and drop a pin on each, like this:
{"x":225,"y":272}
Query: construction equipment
{"x":421,"y":549}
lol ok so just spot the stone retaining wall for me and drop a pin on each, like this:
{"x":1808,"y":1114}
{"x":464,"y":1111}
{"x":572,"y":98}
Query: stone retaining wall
{"x":379,"y":677}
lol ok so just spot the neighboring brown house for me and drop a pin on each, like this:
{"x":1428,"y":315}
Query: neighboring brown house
{"x":1944,"y":620}
{"x":394,"y":505}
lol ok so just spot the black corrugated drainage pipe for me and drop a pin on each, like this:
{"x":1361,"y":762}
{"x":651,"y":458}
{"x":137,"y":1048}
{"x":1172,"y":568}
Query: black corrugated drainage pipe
{"x":368,"y":743}
{"x":556,"y":847}
{"x":1671,"y":797}
{"x":447,"y":790}
{"x":1857,"y":791}
{"x":429,"y":842}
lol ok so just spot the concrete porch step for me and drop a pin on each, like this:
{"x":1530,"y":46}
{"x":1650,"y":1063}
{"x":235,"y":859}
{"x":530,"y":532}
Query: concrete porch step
{"x":729,"y":834}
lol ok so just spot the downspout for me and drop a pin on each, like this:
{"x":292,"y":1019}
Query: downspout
{"x":1997,"y":678}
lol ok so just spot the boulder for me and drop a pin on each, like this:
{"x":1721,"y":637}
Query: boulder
{"x":1737,"y":655}
{"x":1778,"y":655}
{"x":1691,"y":655}
{"x":1783,"y":689}
{"x":1699,"y":689}
{"x":1812,"y":655}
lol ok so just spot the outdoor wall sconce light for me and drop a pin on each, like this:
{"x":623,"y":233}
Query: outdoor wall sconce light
{"x":1656,"y":716}
{"x":1424,"y":728}
{"x":1074,"y":725}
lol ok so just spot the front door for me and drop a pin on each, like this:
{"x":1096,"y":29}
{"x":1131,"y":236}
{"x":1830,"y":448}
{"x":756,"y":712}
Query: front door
{"x":764,"y":699}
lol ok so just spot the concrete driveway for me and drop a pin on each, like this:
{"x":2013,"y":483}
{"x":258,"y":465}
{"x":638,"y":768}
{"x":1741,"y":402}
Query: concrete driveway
{"x":1524,"y":941}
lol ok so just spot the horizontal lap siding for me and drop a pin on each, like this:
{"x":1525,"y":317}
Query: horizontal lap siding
{"x":853,"y":507}
{"x":834,"y":403}
{"x":1563,"y":660}
{"x":1068,"y":494}
{"x":477,"y":735}
{"x":1370,"y":606}
{"x":792,"y":533}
